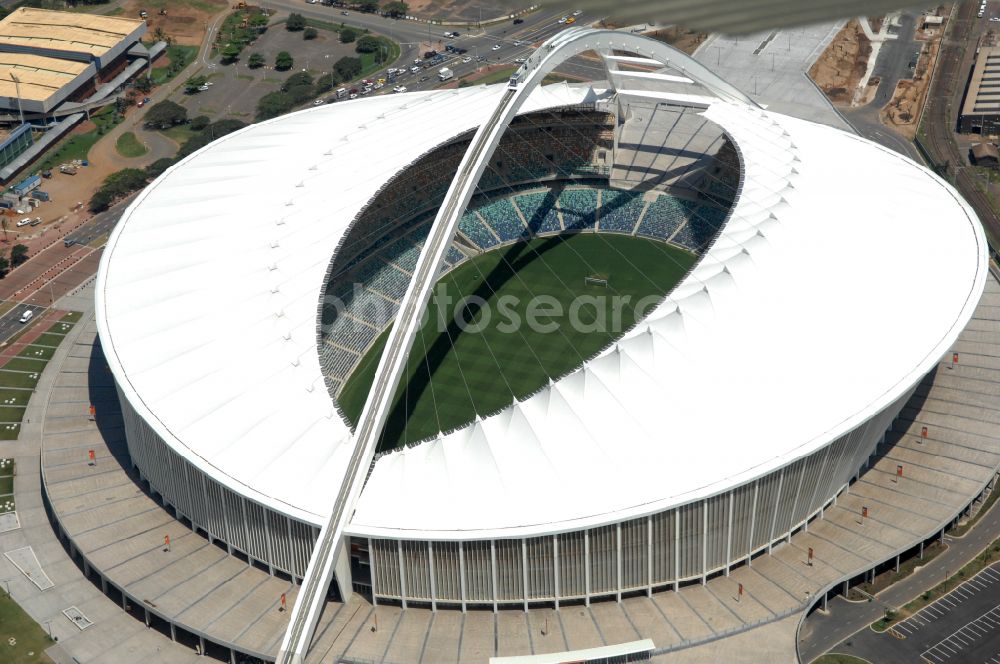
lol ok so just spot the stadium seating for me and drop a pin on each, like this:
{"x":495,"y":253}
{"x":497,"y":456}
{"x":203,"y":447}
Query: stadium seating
{"x":503,"y":219}
{"x":620,"y":210}
{"x":663,"y":217}
{"x":540,"y":211}
{"x":477,"y":233}
{"x":579,"y":209}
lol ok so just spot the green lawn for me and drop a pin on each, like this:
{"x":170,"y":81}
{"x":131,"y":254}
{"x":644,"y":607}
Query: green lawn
{"x":17,"y":379}
{"x":10,"y":397}
{"x":48,"y":339}
{"x":11,"y":415}
{"x":78,"y":145}
{"x":70,"y":317}
{"x":453,"y":375}
{"x":179,"y":134}
{"x":9,"y":431}
{"x":25,"y":364}
{"x":30,"y":639}
{"x":129,"y":146}
{"x":41,"y":352}
{"x":6,"y":485}
{"x":60,"y":328}
{"x":180,"y":57}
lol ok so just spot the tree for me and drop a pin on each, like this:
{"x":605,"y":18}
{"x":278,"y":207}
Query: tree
{"x":325,"y":83}
{"x":230,"y":53}
{"x":209,"y":134}
{"x":283,"y":61}
{"x":259,"y":22}
{"x":395,"y":9}
{"x":310,"y":33}
{"x":295,"y":22}
{"x":165,"y":114}
{"x":367,"y":44}
{"x":255,"y":61}
{"x":297,"y":79}
{"x":100,"y":201}
{"x":192,"y":84}
{"x":199,"y":122}
{"x":274,"y":104}
{"x":125,"y":181}
{"x":4,"y":266}
{"x":18,"y":254}
{"x":348,"y":35}
{"x":368,"y":6}
{"x":157,"y":168}
{"x":347,"y":68}
{"x":143,"y":84}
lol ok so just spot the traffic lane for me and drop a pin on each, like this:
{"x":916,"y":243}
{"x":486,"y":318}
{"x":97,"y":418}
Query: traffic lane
{"x":68,"y":279}
{"x":23,"y":278}
{"x":935,"y":623}
{"x":10,"y":322}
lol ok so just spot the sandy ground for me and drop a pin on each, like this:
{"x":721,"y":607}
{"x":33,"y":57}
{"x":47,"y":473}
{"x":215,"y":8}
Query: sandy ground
{"x":903,"y":110}
{"x":185,"y":21}
{"x":841,"y":66}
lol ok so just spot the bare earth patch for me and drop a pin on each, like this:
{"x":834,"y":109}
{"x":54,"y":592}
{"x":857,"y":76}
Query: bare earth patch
{"x":903,"y":110}
{"x":466,"y":10}
{"x":186,"y":20}
{"x":839,"y":69}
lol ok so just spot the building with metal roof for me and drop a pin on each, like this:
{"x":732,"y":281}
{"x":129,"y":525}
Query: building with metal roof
{"x":835,"y":279}
{"x":47,"y":57}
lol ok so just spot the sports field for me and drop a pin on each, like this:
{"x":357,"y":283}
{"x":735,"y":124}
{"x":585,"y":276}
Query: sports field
{"x":476,"y":361}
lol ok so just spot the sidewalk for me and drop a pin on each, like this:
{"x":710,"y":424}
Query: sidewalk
{"x":820,"y":632}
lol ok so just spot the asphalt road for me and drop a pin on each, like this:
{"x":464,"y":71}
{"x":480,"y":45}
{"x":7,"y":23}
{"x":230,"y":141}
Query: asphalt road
{"x":961,"y":626}
{"x":102,"y":223}
{"x":10,"y":322}
{"x":847,"y":621}
{"x":413,"y":38}
{"x":893,"y":64}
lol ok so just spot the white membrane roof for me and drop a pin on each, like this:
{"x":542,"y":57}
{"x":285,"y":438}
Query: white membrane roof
{"x":843,"y":275}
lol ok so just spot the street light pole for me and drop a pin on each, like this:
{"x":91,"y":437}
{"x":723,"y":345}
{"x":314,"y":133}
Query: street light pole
{"x":17,"y":88}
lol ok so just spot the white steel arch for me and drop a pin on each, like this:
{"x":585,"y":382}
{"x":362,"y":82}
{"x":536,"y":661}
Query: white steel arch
{"x":329,"y":551}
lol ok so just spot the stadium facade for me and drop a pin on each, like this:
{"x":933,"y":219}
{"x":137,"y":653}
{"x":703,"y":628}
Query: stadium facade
{"x":833,"y":276}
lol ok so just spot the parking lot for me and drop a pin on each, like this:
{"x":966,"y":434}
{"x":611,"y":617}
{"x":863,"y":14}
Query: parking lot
{"x":962,"y":626}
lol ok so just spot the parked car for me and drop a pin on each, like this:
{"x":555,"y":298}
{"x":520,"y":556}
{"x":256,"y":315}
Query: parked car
{"x":520,"y":61}
{"x":202,"y":88}
{"x":36,"y":221}
{"x":518,"y":21}
{"x":318,"y":102}
{"x":577,"y":12}
{"x":496,"y":47}
{"x":466,"y":60}
{"x":563,"y":19}
{"x":343,"y":13}
{"x":27,"y":315}
{"x":424,"y":78}
{"x":399,"y":88}
{"x":353,"y":96}
{"x":142,"y":102}
{"x":24,"y":222}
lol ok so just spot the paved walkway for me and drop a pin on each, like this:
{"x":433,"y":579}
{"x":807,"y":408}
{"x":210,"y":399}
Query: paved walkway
{"x":115,"y":636}
{"x":119,"y":529}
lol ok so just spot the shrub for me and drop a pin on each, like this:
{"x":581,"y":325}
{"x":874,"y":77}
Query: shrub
{"x":348,"y":35}
{"x":310,"y":33}
{"x":283,"y":61}
{"x":295,"y":22}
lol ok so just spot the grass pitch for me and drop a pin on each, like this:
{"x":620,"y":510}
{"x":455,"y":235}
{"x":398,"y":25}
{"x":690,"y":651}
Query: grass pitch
{"x":479,"y":360}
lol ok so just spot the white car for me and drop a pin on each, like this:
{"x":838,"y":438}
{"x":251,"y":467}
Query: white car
{"x":414,"y":70}
{"x":399,"y":88}
{"x":354,"y":96}
{"x":24,"y":222}
{"x":520,"y":61}
{"x":496,"y":47}
{"x":577,"y":12}
{"x":564,"y":19}
{"x":466,"y":60}
{"x":318,"y":102}
{"x":202,"y":88}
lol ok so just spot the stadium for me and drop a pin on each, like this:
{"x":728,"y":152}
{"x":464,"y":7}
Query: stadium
{"x":790,"y":308}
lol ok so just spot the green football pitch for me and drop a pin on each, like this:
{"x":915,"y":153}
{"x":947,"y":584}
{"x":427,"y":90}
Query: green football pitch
{"x":531,"y":314}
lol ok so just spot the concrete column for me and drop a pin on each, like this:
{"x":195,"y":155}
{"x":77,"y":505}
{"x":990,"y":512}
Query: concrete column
{"x":430,"y":568}
{"x":677,"y":549}
{"x":825,"y":595}
{"x":493,"y":566}
{"x":729,"y":533}
{"x":921,"y":554}
{"x":402,"y":571}
{"x":649,"y":556}
{"x":146,"y":611}
{"x":774,"y":517}
{"x":753,"y":523}
{"x":173,"y":632}
{"x":371,"y":567}
{"x":586,"y":567}
{"x":897,"y":563}
{"x":461,"y":572}
{"x":555,"y":569}
{"x":704,"y":541}
{"x":618,"y":539}
{"x":524,"y":571}
{"x":201,"y":646}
